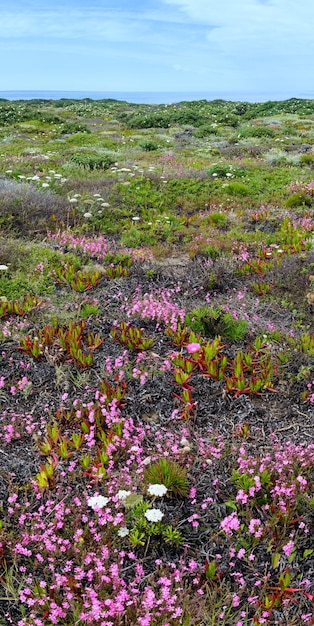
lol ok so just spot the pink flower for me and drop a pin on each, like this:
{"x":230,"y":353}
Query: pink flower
{"x":255,"y":527}
{"x":287,"y":549}
{"x":230,"y":523}
{"x":241,"y":553}
{"x":193,"y":347}
{"x":235,"y":601}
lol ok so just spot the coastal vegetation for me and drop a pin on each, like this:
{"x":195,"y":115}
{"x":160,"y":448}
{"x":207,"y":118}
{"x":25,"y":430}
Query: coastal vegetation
{"x":156,"y":373}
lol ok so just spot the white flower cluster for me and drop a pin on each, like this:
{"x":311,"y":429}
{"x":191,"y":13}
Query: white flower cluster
{"x":97,"y":502}
{"x":154,"y":515}
{"x":123,"y":494}
{"x":157,"y":490}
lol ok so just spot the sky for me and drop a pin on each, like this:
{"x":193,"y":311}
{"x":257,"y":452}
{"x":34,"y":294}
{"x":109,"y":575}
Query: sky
{"x":218,"y":46}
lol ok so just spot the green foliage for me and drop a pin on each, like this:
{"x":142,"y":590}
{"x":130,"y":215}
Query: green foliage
{"x":148,"y":145}
{"x":218,"y":219}
{"x":169,"y":473}
{"x":119,"y":258}
{"x":238,"y":189}
{"x":232,"y":329}
{"x":92,"y":161}
{"x":131,"y":336}
{"x":163,"y":119}
{"x":74,"y":127}
{"x":297,"y":199}
{"x":256,"y":131}
{"x":307,"y":160}
{"x":225,"y":170}
{"x":212,"y":322}
{"x":205,"y":130}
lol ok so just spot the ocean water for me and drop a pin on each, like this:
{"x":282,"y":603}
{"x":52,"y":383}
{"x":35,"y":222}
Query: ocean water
{"x":150,"y":97}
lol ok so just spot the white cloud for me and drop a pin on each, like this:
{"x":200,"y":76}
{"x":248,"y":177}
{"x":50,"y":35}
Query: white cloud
{"x":254,"y":23}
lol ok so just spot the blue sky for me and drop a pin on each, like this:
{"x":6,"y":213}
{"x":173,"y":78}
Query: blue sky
{"x":219,"y":46}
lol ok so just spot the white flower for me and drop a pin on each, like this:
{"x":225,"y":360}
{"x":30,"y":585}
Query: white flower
{"x":157,"y":490}
{"x":153,"y":515}
{"x":123,"y":531}
{"x":87,"y":215}
{"x":105,"y":204}
{"x":45,"y":185}
{"x":184,"y":442}
{"x":97,"y":501}
{"x":4,"y":267}
{"x":72,"y":199}
{"x":123,"y":494}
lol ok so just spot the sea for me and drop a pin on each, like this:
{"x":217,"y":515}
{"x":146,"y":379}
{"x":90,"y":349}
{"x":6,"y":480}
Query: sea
{"x":152,"y":97}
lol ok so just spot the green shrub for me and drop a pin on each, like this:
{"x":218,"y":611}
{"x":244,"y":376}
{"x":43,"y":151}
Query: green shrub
{"x":232,"y":329}
{"x":148,"y":145}
{"x":307,"y":159}
{"x":297,"y":199}
{"x":238,"y":189}
{"x":92,"y":161}
{"x":203,"y":320}
{"x":205,"y":130}
{"x":217,"y":219}
{"x":211,"y":251}
{"x":211,"y":322}
{"x":224,"y":170}
{"x":168,"y":473}
{"x":257,"y":131}
{"x":135,"y":238}
{"x":69,"y":128}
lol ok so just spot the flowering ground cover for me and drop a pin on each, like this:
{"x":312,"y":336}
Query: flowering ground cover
{"x":156,"y":374}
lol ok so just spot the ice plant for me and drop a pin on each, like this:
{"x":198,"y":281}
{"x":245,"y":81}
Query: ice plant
{"x":193,"y":347}
{"x":131,"y":336}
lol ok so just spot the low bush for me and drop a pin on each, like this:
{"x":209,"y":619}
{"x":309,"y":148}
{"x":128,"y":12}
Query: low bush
{"x":148,"y":145}
{"x":298,"y":199}
{"x":225,"y":170}
{"x":69,"y":128}
{"x":238,"y":189}
{"x":92,"y":161}
{"x":26,"y":210}
{"x":213,"y":322}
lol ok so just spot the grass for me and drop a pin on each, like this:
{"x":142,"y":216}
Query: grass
{"x":156,"y":381}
